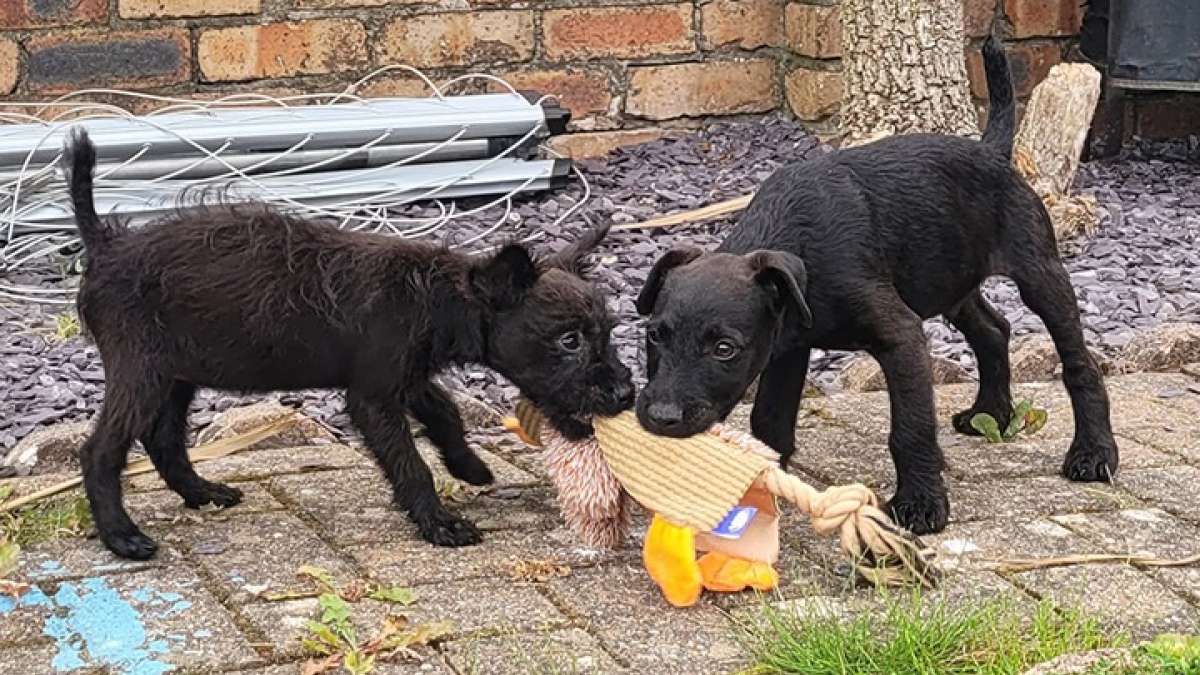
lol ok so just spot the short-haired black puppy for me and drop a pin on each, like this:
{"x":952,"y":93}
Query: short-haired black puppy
{"x":853,"y":251}
{"x":241,"y":297}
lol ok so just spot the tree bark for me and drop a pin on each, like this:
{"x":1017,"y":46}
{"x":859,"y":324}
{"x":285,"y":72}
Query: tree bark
{"x":904,"y":69}
{"x":1050,"y":141}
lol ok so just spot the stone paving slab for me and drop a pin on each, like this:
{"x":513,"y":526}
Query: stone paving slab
{"x":1175,"y":489}
{"x":257,"y":553}
{"x":259,"y":464}
{"x":656,"y":638}
{"x":415,"y":562}
{"x":139,"y":623}
{"x":495,"y":607}
{"x":1145,"y":532}
{"x":571,"y":651}
{"x":328,"y":506}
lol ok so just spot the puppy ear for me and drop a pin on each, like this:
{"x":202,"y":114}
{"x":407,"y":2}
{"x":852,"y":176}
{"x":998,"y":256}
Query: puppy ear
{"x":786,"y":277}
{"x":505,"y":278}
{"x":571,"y":257}
{"x":680,"y":255}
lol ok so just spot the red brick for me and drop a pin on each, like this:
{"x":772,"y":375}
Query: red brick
{"x":813,"y":94}
{"x":814,"y":31}
{"x":1162,"y":117}
{"x":19,"y":14}
{"x":748,"y":24}
{"x":1030,"y":62}
{"x":620,"y":32}
{"x":457,"y":39}
{"x":978,"y":16}
{"x":1043,"y":18}
{"x":701,"y":89}
{"x":339,"y":4}
{"x":583,"y":93}
{"x":601,"y":142}
{"x":10,"y":66}
{"x":166,"y":9}
{"x":281,"y":50}
{"x":59,"y":63}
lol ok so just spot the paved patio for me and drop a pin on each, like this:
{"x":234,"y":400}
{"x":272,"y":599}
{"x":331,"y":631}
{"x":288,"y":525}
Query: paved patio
{"x":205,"y":603}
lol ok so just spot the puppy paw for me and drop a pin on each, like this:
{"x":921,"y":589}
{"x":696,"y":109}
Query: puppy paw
{"x":962,"y":421}
{"x":447,"y":529}
{"x":217,"y":494}
{"x":1089,"y":463}
{"x":130,"y":544}
{"x":470,"y":469}
{"x":920,"y":512}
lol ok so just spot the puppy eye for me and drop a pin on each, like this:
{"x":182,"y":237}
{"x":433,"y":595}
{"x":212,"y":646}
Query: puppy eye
{"x":571,"y":342}
{"x":725,"y":350}
{"x":654,"y":335}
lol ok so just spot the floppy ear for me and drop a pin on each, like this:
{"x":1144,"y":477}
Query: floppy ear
{"x":571,"y":257}
{"x":680,"y":255}
{"x":786,"y":277}
{"x":504,"y":279}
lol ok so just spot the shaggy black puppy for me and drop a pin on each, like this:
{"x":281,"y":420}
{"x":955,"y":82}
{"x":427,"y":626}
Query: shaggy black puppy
{"x":853,"y":251}
{"x":244,"y":298}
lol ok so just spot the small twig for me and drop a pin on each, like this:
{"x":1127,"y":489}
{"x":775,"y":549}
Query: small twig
{"x":1009,"y":565}
{"x":710,"y":211}
{"x":214,"y":450}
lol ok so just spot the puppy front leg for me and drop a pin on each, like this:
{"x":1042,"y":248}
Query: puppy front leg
{"x":777,"y":404}
{"x":434,"y":408}
{"x":385,"y":429}
{"x":920,"y":503}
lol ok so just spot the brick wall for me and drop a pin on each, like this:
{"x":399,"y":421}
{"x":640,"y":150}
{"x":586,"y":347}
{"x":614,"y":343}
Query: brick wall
{"x":620,"y":66}
{"x":626,"y":68}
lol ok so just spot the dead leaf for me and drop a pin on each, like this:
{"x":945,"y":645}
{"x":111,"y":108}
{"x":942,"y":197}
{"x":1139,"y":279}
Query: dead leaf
{"x":13,"y":589}
{"x":353,"y":591}
{"x":315,"y":667}
{"x":539,"y":570}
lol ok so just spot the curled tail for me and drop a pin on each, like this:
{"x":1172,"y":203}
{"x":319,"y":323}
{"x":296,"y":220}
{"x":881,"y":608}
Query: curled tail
{"x":79,"y":158}
{"x":1002,"y":112}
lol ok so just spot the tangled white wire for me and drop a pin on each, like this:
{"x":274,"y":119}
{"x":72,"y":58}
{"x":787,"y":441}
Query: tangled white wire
{"x":38,"y":241}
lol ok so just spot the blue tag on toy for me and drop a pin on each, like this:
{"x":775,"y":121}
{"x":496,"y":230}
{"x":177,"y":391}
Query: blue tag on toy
{"x":735,"y":523}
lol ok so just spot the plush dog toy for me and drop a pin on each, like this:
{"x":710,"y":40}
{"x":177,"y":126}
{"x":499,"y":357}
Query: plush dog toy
{"x":716,"y":493}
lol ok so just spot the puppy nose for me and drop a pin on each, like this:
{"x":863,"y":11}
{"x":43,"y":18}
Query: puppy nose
{"x":665,"y":414}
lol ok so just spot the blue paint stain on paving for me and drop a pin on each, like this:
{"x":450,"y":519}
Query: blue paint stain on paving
{"x":92,"y":625}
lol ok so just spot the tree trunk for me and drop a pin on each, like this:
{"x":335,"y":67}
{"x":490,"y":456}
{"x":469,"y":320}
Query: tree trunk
{"x":904,"y":69}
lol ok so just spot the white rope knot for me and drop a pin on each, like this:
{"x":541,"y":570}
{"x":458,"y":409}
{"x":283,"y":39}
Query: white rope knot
{"x":839,"y":508}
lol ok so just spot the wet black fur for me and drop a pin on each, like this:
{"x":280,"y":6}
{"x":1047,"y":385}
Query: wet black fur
{"x":241,"y":297}
{"x":876,"y":239}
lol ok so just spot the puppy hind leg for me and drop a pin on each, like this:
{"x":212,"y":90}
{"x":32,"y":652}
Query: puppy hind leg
{"x":920,"y":503}
{"x":987,"y":332}
{"x":777,"y":403}
{"x":166,"y":444}
{"x":128,"y":411}
{"x":381,"y":419}
{"x":1046,"y":289}
{"x":434,"y":408}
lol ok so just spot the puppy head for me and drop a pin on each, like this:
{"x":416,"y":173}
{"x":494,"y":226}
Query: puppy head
{"x":550,"y":334}
{"x":714,"y":318}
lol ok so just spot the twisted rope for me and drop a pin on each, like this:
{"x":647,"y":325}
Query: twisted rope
{"x":881,"y":552}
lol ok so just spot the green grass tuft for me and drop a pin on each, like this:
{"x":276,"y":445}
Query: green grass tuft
{"x":1165,"y":655}
{"x":909,"y":636}
{"x":47,"y":520}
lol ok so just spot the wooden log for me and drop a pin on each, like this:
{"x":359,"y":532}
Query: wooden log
{"x":1050,"y":141}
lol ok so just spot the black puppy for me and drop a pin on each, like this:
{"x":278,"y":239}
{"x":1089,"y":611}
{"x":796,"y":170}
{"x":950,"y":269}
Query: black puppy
{"x":244,"y":298}
{"x":853,"y":251}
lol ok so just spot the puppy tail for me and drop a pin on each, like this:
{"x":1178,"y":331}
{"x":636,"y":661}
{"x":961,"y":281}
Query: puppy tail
{"x":79,"y":158}
{"x":1002,"y":111}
